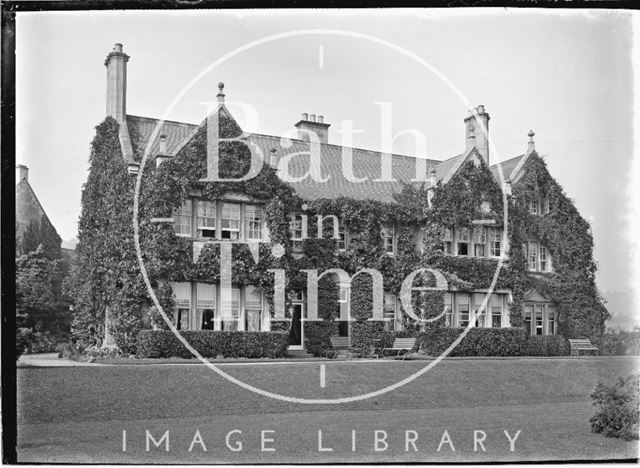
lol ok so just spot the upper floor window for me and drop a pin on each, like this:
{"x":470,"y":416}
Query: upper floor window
{"x":537,"y":255}
{"x":479,"y":239}
{"x":448,"y":241}
{"x":463,"y":241}
{"x":342,"y":234}
{"x":539,"y":205}
{"x":388,"y":239}
{"x":295,"y":229}
{"x":206,"y":219}
{"x":182,"y":219}
{"x":495,"y":242}
{"x":254,"y":220}
{"x":230,"y":228}
{"x":216,"y":219}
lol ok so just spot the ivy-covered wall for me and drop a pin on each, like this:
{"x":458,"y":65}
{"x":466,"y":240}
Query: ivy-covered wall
{"x":107,"y":272}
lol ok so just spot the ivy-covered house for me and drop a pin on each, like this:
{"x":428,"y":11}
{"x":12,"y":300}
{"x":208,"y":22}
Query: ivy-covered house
{"x":395,"y":215}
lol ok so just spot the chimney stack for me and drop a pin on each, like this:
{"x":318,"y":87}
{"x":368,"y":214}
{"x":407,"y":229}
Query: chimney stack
{"x":163,"y":144}
{"x":475,"y":136}
{"x":23,"y":172}
{"x":116,"y":64}
{"x":309,"y":124}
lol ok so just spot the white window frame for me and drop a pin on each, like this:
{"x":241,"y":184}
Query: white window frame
{"x":183,"y":218}
{"x":388,"y":233}
{"x":254,"y":214}
{"x":203,"y":217}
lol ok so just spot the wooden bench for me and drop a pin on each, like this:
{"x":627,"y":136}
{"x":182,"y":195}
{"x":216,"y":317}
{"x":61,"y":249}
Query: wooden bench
{"x":582,"y":344}
{"x":341,"y":343}
{"x":401,"y":344}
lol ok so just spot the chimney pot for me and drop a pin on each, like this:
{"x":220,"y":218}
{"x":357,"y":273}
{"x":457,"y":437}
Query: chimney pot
{"x":531,"y":145}
{"x":23,"y":172}
{"x":305,"y":116}
{"x":117,"y":47}
{"x":312,"y":117}
{"x":321,"y":119}
{"x":481,"y":109}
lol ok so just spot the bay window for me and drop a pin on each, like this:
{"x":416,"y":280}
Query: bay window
{"x":253,"y":308}
{"x":539,"y":318}
{"x":463,"y":310}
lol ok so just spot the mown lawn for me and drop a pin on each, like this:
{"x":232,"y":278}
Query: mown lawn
{"x":78,"y":414}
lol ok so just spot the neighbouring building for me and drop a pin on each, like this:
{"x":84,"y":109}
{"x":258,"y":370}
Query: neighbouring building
{"x":446,"y":214}
{"x":33,"y":226}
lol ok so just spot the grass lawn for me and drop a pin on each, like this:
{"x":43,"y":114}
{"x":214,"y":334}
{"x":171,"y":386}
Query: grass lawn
{"x":78,"y":413}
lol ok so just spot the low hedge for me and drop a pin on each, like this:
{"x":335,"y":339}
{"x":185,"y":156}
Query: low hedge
{"x":211,"y":344}
{"x":491,"y":342}
{"x":618,"y":408}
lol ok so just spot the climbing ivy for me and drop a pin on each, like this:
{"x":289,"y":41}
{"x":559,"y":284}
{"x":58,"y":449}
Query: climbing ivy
{"x":107,"y":273}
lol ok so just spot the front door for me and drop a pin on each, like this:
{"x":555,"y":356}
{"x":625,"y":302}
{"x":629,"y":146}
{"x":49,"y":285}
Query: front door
{"x":296,"y":333}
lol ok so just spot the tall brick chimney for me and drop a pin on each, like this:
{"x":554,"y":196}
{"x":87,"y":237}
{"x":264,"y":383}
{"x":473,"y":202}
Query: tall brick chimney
{"x":309,"y":123}
{"x":475,"y":135}
{"x":23,"y":172}
{"x":116,"y":63}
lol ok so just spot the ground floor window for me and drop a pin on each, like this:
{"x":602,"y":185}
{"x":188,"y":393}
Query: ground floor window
{"x":200,"y":306}
{"x":539,"y":319}
{"x":460,"y":306}
{"x":391,"y":312}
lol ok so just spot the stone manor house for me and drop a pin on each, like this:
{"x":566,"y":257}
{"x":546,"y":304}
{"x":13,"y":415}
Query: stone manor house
{"x":237,"y":217}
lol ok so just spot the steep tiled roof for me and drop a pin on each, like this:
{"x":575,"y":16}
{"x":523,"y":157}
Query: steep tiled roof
{"x":366,"y":163}
{"x":141,"y":129}
{"x":507,"y":167}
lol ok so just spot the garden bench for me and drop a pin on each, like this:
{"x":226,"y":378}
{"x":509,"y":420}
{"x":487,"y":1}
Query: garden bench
{"x":401,"y":344}
{"x":341,"y":343}
{"x":582,"y":344}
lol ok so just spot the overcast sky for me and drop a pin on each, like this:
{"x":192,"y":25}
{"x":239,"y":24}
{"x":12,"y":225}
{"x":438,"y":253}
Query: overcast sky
{"x":565,"y":74}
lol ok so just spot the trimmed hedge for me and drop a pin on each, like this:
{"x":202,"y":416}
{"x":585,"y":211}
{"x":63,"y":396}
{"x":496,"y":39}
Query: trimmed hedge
{"x":491,"y":342}
{"x":618,"y":413}
{"x":247,"y":344}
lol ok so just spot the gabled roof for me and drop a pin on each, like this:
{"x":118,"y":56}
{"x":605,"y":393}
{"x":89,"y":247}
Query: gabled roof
{"x":29,"y":208}
{"x":366,"y":163}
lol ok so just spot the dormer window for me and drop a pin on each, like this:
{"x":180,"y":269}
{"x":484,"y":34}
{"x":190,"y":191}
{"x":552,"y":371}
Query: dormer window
{"x":388,"y":239}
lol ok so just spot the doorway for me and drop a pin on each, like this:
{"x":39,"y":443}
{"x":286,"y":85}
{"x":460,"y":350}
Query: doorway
{"x":296,"y":333}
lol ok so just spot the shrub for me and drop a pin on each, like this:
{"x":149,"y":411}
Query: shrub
{"x":24,"y":338}
{"x":318,"y":334}
{"x":210,"y":344}
{"x":546,"y":345}
{"x":69,"y":351}
{"x":99,"y":352}
{"x":619,"y":342}
{"x":477,"y":342}
{"x":617,"y":414}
